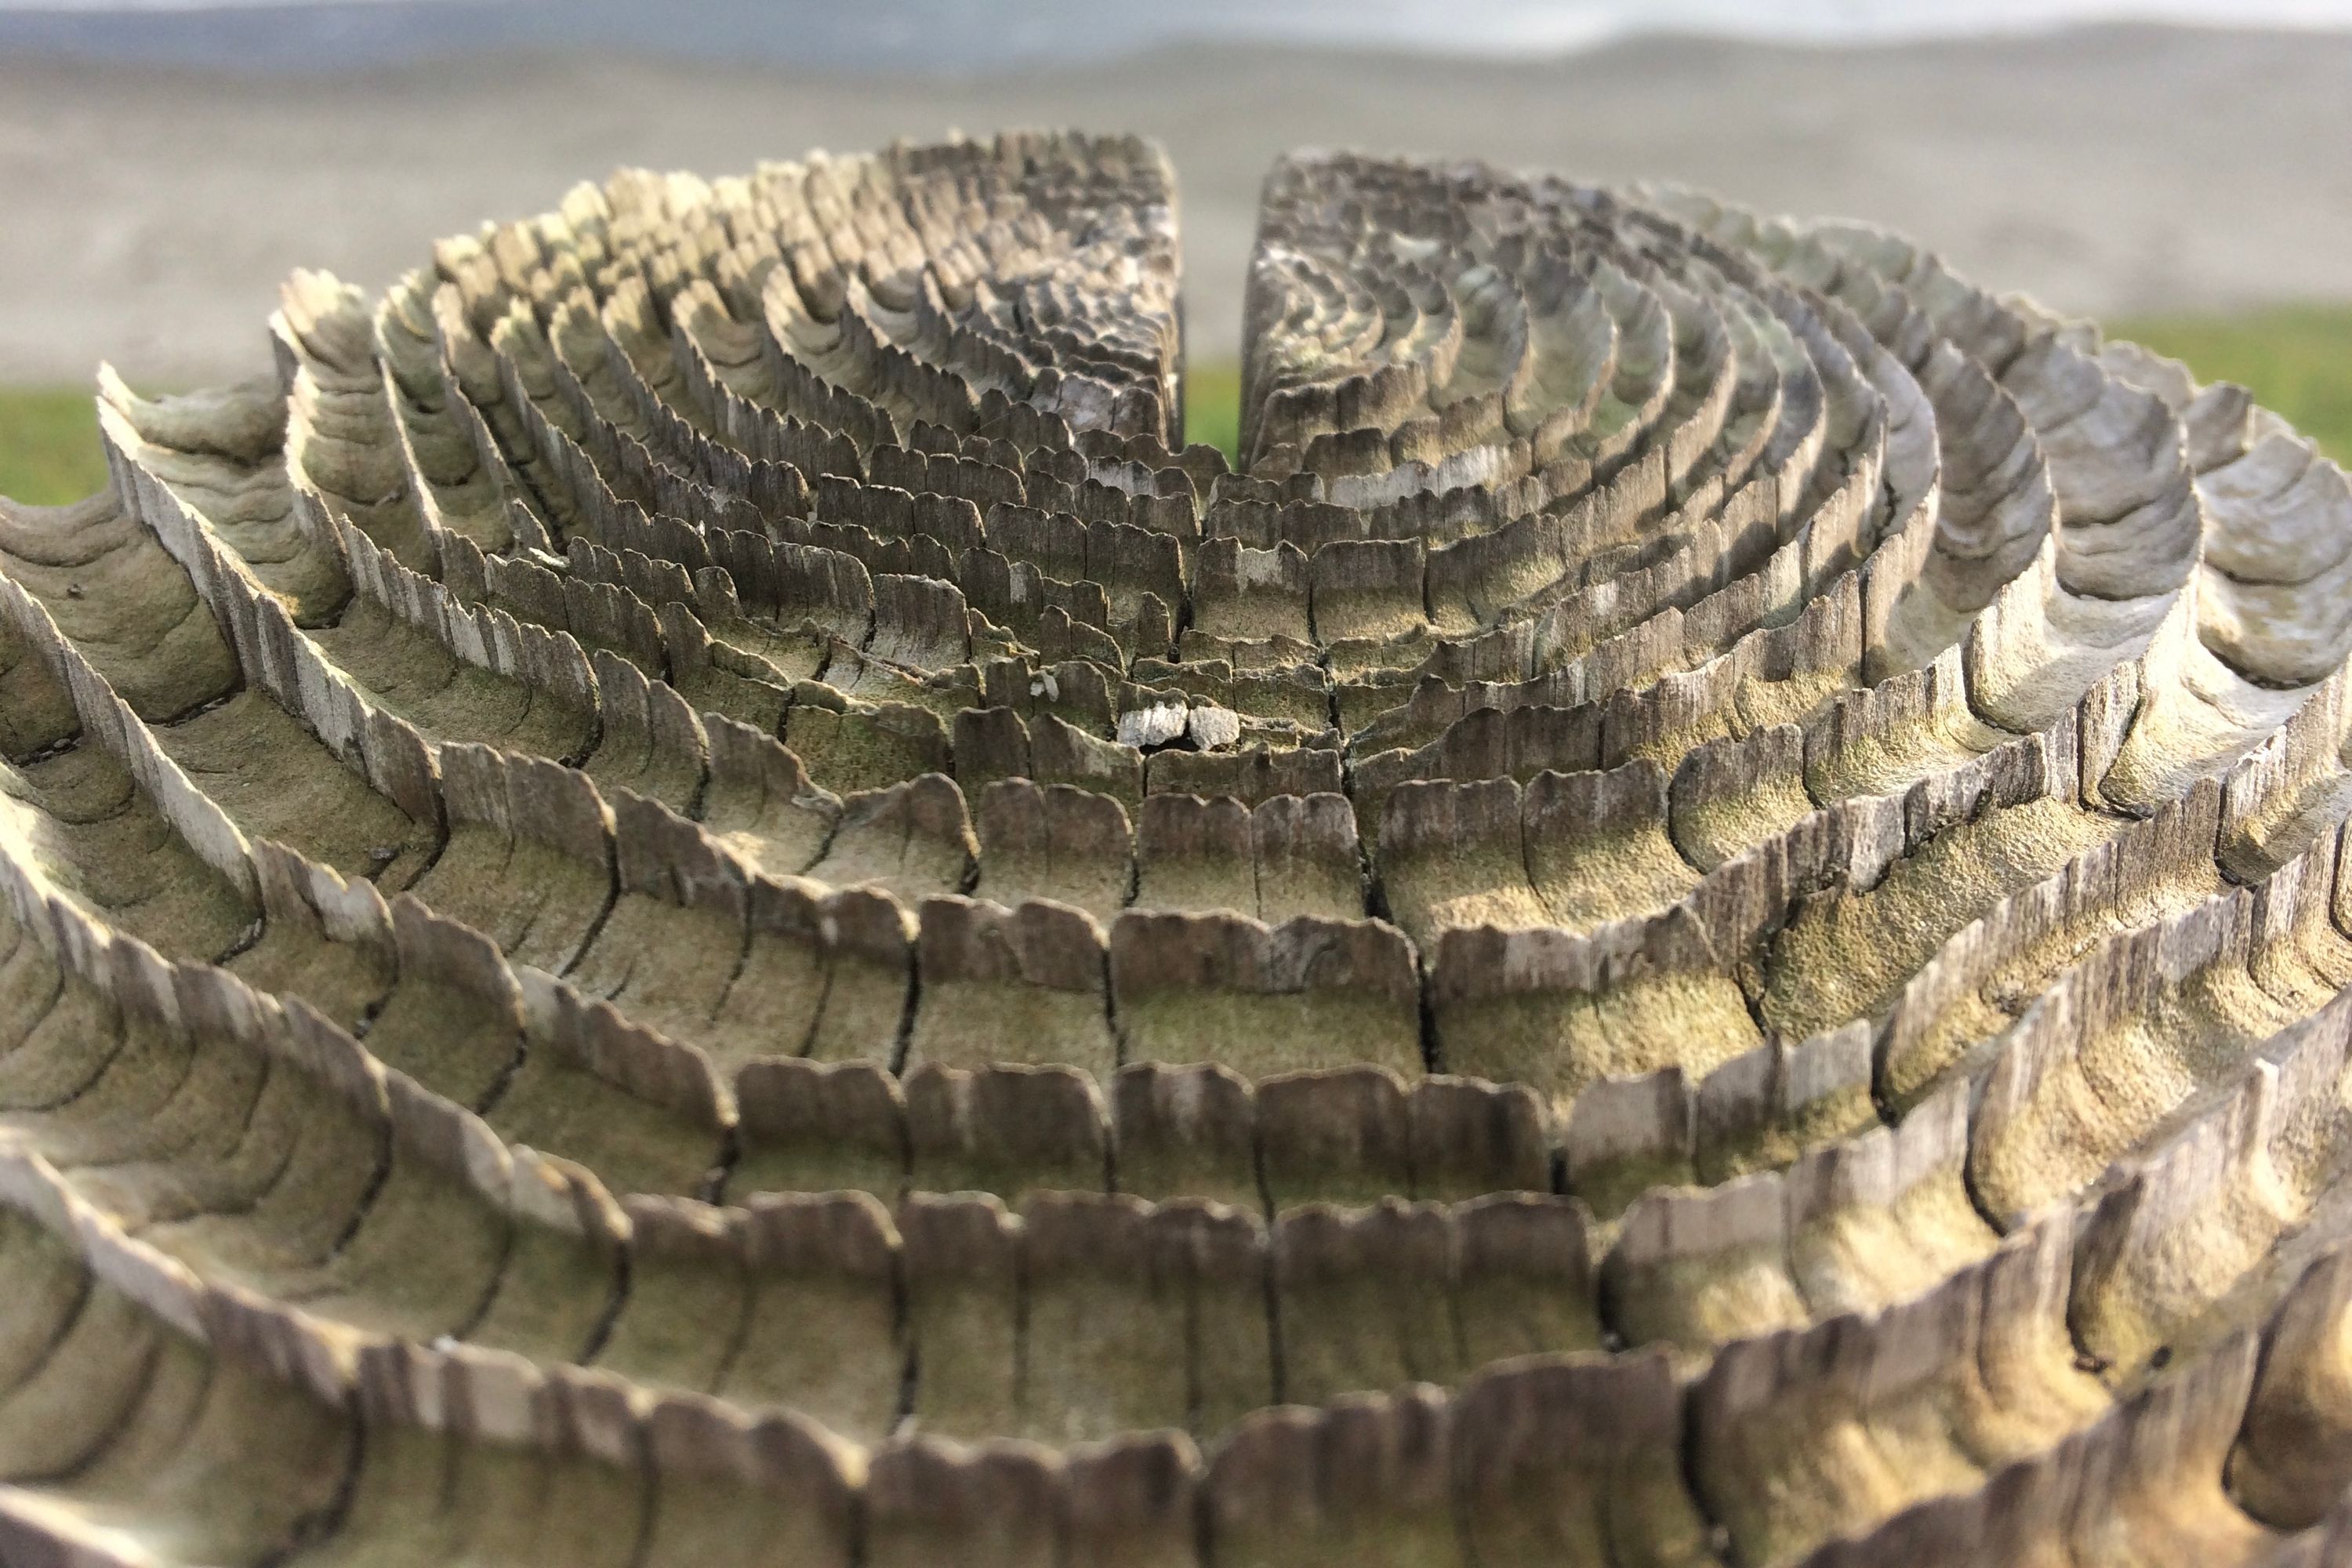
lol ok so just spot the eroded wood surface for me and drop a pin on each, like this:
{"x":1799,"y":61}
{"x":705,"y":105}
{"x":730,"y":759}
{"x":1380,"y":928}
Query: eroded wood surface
{"x":692,"y":898}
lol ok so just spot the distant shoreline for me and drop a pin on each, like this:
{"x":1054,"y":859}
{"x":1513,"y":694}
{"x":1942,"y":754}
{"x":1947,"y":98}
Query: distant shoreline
{"x":2107,"y":169}
{"x":912,"y":40}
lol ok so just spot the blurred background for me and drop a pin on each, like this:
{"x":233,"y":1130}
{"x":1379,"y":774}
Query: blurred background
{"x":2180,"y":170}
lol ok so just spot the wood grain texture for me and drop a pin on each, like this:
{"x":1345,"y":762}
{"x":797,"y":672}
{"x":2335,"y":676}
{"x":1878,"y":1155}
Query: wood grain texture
{"x":690,"y":899}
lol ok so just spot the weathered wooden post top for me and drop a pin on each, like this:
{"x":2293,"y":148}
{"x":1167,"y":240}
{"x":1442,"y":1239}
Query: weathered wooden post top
{"x":693,"y":896}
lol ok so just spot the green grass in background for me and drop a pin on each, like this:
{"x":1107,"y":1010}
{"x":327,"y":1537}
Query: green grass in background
{"x":1213,"y":406}
{"x":2296,"y":359}
{"x":49,"y":445}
